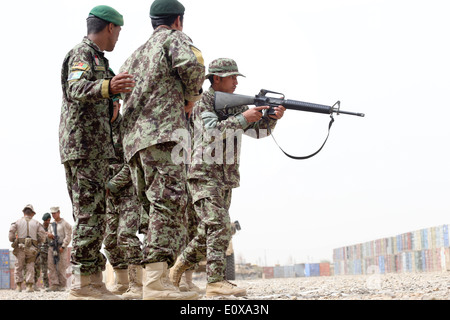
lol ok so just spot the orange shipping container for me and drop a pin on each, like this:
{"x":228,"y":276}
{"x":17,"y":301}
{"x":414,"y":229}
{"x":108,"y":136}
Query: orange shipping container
{"x":324,"y":269}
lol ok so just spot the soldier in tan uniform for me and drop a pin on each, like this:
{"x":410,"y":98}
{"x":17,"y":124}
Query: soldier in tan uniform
{"x":60,"y":232}
{"x":25,"y":235}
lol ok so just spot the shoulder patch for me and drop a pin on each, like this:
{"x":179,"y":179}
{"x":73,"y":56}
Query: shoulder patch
{"x":75,"y":75}
{"x":198,"y":54}
{"x":80,"y":66}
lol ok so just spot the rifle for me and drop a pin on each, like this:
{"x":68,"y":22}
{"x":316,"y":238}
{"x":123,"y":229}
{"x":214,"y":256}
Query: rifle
{"x":55,"y":245}
{"x":223,"y":101}
{"x":227,"y":100}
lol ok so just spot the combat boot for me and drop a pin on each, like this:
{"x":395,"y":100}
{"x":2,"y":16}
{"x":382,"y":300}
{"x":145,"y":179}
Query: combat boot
{"x":224,"y":288}
{"x":19,"y":286}
{"x":176,"y":272}
{"x":157,"y":285}
{"x":30,"y":287}
{"x":186,"y":283}
{"x":134,"y":291}
{"x":121,"y":282}
{"x":82,"y":289}
{"x":98,"y":285}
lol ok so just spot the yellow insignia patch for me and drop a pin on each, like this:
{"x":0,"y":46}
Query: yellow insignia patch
{"x":199,"y":55}
{"x":80,"y":66}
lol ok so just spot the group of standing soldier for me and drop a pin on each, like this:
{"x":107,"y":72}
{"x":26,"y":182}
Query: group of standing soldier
{"x":40,"y":249}
{"x":120,"y":172}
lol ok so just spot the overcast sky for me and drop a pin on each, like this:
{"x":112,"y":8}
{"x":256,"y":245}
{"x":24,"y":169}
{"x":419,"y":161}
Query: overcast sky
{"x":378,"y":176}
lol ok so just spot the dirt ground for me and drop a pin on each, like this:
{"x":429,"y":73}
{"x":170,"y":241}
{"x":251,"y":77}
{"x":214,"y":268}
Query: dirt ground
{"x":405,"y":286}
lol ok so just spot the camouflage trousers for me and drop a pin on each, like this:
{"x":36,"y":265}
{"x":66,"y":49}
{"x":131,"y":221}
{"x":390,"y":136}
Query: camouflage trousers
{"x":57,"y":273}
{"x":41,"y":267}
{"x":122,"y":245}
{"x":161,"y":188}
{"x":24,"y":266}
{"x":86,"y":180}
{"x":213,"y":234}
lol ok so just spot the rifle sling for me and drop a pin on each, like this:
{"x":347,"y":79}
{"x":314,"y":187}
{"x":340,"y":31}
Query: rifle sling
{"x":311,"y":155}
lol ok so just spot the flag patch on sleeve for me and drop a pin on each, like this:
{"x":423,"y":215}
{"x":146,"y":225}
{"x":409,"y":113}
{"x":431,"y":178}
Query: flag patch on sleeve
{"x":75,"y":75}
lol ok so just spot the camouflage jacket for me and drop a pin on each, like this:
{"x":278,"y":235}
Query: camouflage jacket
{"x":84,"y":129}
{"x":119,"y":171}
{"x":216,"y":141}
{"x":168,"y":70}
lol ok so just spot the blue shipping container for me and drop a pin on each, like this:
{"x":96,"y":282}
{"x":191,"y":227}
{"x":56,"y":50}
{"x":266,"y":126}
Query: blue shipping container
{"x":445,"y":234}
{"x":4,"y":259}
{"x":299,"y":270}
{"x":5,"y":278}
{"x":278,"y":272}
{"x":381,"y":264}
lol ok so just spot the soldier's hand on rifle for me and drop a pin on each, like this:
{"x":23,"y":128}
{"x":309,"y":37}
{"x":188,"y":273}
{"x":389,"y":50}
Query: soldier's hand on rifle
{"x":254,"y":114}
{"x":279,"y":112}
{"x":51,"y":236}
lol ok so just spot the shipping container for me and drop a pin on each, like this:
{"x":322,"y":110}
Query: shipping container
{"x":289,"y":272}
{"x":299,"y":268}
{"x":5,"y":278}
{"x":4,"y":259}
{"x":324,"y":269}
{"x":267,"y":272}
{"x":278,"y":272}
{"x":445,"y":235}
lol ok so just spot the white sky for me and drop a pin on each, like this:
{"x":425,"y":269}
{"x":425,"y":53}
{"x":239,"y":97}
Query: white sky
{"x":377,"y":177}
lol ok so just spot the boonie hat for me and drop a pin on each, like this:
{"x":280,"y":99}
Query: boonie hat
{"x":28,"y":206}
{"x":223,"y":67}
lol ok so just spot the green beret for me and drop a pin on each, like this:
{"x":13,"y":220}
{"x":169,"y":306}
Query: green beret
{"x":108,"y":14}
{"x":166,"y":8}
{"x":46,"y":216}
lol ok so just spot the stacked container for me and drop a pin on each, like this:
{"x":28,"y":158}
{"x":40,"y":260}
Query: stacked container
{"x":5,"y":274}
{"x":425,"y":250}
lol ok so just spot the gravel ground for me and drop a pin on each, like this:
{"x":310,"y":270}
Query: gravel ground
{"x":408,"y":286}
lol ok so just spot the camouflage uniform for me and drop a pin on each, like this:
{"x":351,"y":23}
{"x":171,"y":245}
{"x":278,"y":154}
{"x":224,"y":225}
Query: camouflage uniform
{"x":122,"y":246}
{"x":41,"y":264}
{"x":168,"y":70}
{"x":211,"y":181}
{"x":26,"y":234}
{"x":85,"y":146}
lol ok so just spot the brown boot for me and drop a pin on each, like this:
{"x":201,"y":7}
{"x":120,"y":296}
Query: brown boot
{"x":134,"y":291}
{"x":19,"y":286}
{"x":121,"y":282}
{"x":224,"y":288}
{"x":176,"y":272}
{"x":81,"y":289}
{"x":30,"y":287}
{"x":186,"y":283}
{"x":157,"y":286}
{"x":98,"y":284}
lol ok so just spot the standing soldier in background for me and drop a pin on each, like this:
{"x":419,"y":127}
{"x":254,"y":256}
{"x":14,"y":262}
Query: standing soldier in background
{"x":41,"y":264}
{"x":211,"y":182}
{"x":169,"y":72}
{"x":122,"y":245}
{"x":26,"y":234}
{"x":86,"y":145}
{"x":60,"y":232}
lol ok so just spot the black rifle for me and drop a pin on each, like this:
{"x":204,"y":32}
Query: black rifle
{"x":227,"y":100}
{"x":223,"y":101}
{"x":55,"y":245}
